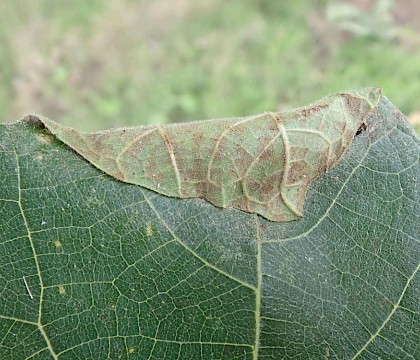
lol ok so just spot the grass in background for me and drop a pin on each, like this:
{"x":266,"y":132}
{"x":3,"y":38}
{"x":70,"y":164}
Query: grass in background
{"x":98,"y":64}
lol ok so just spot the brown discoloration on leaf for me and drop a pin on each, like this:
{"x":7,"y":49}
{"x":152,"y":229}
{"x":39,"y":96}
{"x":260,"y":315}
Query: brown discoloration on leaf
{"x":353,"y":104}
{"x":297,"y":153}
{"x":267,"y":153}
{"x":297,"y":169}
{"x":45,"y":139}
{"x":276,"y":117}
{"x":149,"y":230}
{"x":168,"y":143}
{"x":313,"y":109}
{"x":260,"y":164}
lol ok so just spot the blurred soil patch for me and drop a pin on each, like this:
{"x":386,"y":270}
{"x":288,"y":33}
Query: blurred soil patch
{"x":131,"y":63}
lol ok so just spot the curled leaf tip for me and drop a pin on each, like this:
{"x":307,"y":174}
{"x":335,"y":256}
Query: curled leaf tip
{"x":259,"y":164}
{"x":34,"y":121}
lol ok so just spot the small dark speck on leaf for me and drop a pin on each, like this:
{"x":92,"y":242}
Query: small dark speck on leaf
{"x":361,"y":129}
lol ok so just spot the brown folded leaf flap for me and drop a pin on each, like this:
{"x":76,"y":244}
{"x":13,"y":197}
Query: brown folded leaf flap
{"x":261,"y":164}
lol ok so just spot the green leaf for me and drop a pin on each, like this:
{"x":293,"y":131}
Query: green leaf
{"x":95,"y":268}
{"x":262,"y":164}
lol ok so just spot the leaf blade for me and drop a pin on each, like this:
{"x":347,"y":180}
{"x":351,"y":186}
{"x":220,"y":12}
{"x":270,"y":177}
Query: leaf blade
{"x":185,"y":279}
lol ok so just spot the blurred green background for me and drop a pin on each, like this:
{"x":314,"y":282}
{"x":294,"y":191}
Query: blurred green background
{"x":95,"y":64}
